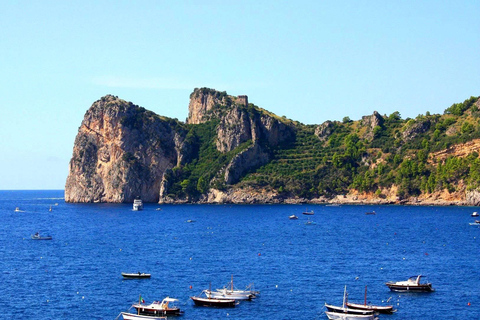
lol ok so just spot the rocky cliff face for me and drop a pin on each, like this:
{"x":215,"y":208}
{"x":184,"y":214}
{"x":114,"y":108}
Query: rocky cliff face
{"x":121,"y":151}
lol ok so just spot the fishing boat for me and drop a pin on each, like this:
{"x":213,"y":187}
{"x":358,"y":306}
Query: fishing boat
{"x":158,"y":308}
{"x":476,"y":223}
{"x":346,"y":313}
{"x":411,"y":285}
{"x":293,"y":217}
{"x":38,"y":236}
{"x":137,"y":204}
{"x":138,"y":275}
{"x":212,"y":302}
{"x":370,"y":307}
{"x":131,"y":316}
{"x":475,"y":214}
{"x":308,"y":213}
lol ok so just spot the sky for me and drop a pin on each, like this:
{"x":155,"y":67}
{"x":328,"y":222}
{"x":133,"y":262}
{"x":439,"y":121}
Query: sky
{"x":310,"y":61}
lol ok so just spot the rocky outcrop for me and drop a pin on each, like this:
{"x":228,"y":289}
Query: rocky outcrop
{"x":370,"y":122}
{"x":252,"y":157}
{"x":324,"y":130}
{"x":415,"y":129}
{"x":472,"y":197}
{"x":121,"y":151}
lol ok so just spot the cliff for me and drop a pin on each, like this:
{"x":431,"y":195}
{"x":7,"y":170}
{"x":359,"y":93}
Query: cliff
{"x":122,"y":151}
{"x":232,"y":151}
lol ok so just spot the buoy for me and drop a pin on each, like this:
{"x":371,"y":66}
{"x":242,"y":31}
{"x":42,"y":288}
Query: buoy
{"x":426,"y":253}
{"x":190,"y":287}
{"x":259,"y":254}
{"x":468,"y":303}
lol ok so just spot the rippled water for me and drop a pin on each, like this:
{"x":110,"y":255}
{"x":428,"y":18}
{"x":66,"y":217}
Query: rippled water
{"x":296,"y":267}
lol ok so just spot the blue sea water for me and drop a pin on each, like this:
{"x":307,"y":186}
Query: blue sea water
{"x":297,"y":267}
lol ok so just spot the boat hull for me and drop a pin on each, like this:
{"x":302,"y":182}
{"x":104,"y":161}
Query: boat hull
{"x":131,"y":316}
{"x":136,"y":275}
{"x":410,"y":288}
{"x":219,"y":303}
{"x":41,"y":238}
{"x":347,"y":316}
{"x":379,"y":309}
{"x":336,"y":309}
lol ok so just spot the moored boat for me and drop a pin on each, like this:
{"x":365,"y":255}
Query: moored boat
{"x":370,"y":307}
{"x":158,"y":308}
{"x":347,"y":310}
{"x":348,"y":316}
{"x":411,"y":285}
{"x":308,"y":213}
{"x":230,"y":292}
{"x":212,"y":302}
{"x":345,"y":313}
{"x":138,"y":275}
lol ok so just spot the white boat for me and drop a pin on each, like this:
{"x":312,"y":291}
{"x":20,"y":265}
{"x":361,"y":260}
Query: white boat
{"x":157,"y":308}
{"x":137,"y":204}
{"x":476,"y":223}
{"x":17,"y":209}
{"x":475,"y":214}
{"x":411,"y":285}
{"x":131,"y":316}
{"x":37,"y":236}
{"x":345,"y":313}
{"x":293,"y":217}
{"x":308,"y":213}
{"x":375,"y":308}
{"x":348,"y":316}
{"x":230,"y":292}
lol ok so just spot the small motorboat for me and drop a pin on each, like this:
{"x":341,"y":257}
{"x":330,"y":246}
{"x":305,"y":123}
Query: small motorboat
{"x":476,"y":223}
{"x":293,"y":217}
{"x":475,"y":214}
{"x":370,"y":212}
{"x":157,"y":308}
{"x":212,"y":302}
{"x":138,"y":275}
{"x":308,"y":213}
{"x":310,"y":223}
{"x":17,"y":209}
{"x":131,"y":316}
{"x":348,"y":316}
{"x":411,"y":285}
{"x":38,"y":236}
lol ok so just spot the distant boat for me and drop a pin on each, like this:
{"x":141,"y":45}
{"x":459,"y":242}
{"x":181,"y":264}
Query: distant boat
{"x":230,"y":292}
{"x":476,"y":223}
{"x":17,"y":209}
{"x":137,"y":204}
{"x":293,"y":217}
{"x":138,"y":275}
{"x":50,"y":209}
{"x":37,"y":236}
{"x":371,"y":212}
{"x":475,"y":214}
{"x":310,"y":223}
{"x":310,"y":213}
{"x":411,"y":285}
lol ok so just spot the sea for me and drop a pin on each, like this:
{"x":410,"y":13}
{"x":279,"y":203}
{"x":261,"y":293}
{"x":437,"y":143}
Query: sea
{"x":297,"y":266}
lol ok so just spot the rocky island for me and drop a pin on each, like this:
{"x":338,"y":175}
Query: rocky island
{"x":232,"y":151}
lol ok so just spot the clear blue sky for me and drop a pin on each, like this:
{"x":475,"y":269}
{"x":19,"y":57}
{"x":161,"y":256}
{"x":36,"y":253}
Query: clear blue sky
{"x":311,"y":61}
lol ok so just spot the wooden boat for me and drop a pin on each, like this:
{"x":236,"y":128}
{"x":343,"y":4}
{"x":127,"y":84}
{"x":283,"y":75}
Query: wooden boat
{"x":411,"y":285}
{"x":293,"y":217}
{"x":370,"y":307}
{"x":37,"y":236}
{"x":157,"y":308}
{"x":138,"y":275}
{"x":212,"y":302}
{"x":345,"y":313}
{"x":131,"y":316}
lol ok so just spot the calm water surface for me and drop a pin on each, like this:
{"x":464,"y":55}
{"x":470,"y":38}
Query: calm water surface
{"x":296,"y":267}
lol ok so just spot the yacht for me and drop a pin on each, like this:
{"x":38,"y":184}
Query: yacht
{"x":137,"y":204}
